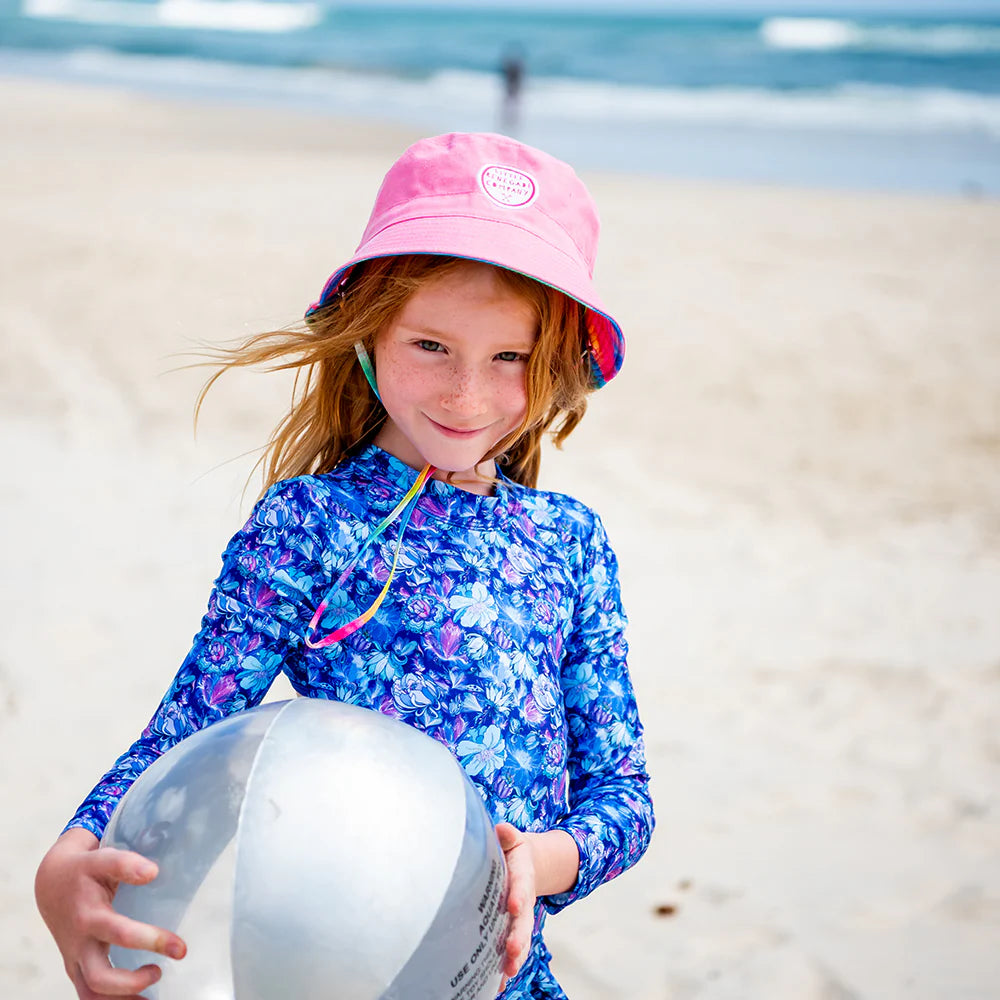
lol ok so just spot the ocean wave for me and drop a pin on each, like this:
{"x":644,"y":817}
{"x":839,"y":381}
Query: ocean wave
{"x":828,"y":34}
{"x":468,"y":99}
{"x":848,"y":107}
{"x":808,"y":33}
{"x":217,"y":15}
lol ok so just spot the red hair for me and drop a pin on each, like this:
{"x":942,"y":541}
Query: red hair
{"x":334,"y":413}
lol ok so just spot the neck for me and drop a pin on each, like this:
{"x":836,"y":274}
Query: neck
{"x":480,"y":479}
{"x":483,"y":482}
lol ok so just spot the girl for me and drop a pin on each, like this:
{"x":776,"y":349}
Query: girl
{"x":488,"y":615}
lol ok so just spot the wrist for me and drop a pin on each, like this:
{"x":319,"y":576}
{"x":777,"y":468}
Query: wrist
{"x":556,"y":860}
{"x":51,"y":878}
{"x":77,"y":838}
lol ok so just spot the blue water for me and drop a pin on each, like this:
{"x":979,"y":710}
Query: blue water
{"x":862,"y":101}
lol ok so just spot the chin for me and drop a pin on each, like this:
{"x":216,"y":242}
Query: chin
{"x":457,"y":467}
{"x":447,"y":460}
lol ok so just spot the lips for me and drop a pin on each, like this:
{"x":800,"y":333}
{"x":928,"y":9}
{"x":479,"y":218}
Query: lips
{"x":456,"y":432}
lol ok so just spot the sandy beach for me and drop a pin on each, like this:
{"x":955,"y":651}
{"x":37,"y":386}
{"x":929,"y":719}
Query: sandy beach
{"x":799,"y":467}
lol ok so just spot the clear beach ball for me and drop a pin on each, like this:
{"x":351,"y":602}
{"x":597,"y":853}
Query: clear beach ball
{"x":315,"y":850}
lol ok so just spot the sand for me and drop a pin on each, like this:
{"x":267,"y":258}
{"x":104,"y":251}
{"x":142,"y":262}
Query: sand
{"x":799,"y":466}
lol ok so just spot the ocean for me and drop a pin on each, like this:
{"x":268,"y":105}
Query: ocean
{"x":890,"y":101}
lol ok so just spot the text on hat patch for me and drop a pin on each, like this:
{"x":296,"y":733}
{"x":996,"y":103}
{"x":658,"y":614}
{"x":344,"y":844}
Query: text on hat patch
{"x":507,"y":187}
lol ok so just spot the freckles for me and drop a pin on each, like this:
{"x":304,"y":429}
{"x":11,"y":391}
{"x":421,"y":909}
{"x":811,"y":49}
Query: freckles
{"x":457,"y":384}
{"x":424,"y":382}
{"x":401,"y":376}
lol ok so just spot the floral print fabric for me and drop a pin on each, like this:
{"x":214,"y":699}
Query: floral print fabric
{"x":501,"y":637}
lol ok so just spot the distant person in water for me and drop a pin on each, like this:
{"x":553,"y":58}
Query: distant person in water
{"x":512,"y":68}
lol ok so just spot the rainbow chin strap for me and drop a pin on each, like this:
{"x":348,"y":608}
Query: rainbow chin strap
{"x":367,"y":367}
{"x":406,"y":506}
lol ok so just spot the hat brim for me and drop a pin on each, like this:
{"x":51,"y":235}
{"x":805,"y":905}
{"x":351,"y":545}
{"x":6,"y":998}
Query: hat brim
{"x":511,"y":247}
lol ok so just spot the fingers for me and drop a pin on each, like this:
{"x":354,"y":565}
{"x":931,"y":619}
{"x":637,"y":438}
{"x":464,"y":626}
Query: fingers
{"x":110,"y":927}
{"x":112,"y":865}
{"x":84,"y":992}
{"x":518,"y":940}
{"x":520,"y":896}
{"x":75,"y":886}
{"x":520,"y":906}
{"x":106,"y":927}
{"x":520,"y":883}
{"x":96,"y":979}
{"x":521,"y":891}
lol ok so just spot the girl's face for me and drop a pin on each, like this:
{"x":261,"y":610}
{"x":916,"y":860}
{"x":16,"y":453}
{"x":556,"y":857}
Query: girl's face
{"x":451,"y":372}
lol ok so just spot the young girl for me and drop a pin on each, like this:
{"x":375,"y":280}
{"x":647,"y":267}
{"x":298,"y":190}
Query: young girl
{"x":402,"y":559}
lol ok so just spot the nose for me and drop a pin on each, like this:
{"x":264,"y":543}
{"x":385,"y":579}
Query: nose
{"x":465,"y":395}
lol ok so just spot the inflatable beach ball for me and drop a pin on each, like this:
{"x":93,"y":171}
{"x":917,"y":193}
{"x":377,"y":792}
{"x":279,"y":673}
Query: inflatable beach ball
{"x":319,"y":851}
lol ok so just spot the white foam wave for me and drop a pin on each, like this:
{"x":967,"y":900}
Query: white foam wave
{"x":852,"y":107}
{"x":217,"y":15}
{"x":808,"y":33}
{"x":826,"y":34}
{"x":471,"y":99}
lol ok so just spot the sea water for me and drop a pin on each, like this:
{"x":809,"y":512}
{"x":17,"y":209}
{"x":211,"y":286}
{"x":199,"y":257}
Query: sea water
{"x":892,"y":101}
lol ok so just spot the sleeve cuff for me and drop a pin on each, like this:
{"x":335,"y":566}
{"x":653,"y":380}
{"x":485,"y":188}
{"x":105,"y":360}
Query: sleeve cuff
{"x":559,"y":901}
{"x":86,"y":823}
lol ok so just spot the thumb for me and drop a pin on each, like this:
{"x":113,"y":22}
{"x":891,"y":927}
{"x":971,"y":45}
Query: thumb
{"x":508,"y":835}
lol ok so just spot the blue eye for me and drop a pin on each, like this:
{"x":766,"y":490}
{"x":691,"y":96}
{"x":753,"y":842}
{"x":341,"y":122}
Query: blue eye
{"x":429,"y":345}
{"x":512,"y":356}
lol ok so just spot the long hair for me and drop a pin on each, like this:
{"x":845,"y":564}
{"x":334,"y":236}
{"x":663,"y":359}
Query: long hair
{"x":333,"y":412}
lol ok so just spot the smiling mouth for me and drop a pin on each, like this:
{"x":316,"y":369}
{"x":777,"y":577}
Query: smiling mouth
{"x":455,"y":431}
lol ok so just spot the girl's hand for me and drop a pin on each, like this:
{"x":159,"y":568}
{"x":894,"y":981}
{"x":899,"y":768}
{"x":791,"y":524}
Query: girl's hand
{"x":521,"y":892}
{"x":74,"y":887}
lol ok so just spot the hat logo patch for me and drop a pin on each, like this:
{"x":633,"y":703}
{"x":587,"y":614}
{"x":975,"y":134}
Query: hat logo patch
{"x":508,"y":187}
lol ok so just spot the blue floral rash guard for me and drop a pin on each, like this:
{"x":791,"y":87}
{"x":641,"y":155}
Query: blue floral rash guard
{"x":502,"y":637}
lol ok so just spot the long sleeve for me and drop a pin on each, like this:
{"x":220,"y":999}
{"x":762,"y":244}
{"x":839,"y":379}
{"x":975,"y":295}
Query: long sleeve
{"x":256,"y":614}
{"x":610,"y":810}
{"x":501,"y":637}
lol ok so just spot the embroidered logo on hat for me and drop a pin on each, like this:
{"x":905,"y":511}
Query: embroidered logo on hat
{"x":507,"y":187}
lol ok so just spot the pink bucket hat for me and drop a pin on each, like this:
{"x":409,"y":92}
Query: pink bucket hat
{"x":490,"y":198}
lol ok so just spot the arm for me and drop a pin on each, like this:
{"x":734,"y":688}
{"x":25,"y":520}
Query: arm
{"x":256,"y":613}
{"x":251,"y":627}
{"x":610,"y":815}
